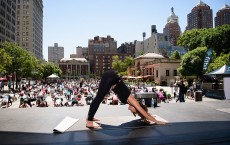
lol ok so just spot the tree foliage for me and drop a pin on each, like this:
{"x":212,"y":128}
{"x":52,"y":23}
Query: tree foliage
{"x":175,"y":55}
{"x":192,"y":62}
{"x":16,"y":60}
{"x":196,"y":41}
{"x":4,"y":59}
{"x":217,"y":38}
{"x":50,"y":68}
{"x":122,"y":66}
{"x":219,"y":62}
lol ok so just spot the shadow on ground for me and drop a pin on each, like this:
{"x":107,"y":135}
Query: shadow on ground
{"x":215,"y":133}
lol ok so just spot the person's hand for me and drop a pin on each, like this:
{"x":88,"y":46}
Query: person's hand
{"x":160,"y":122}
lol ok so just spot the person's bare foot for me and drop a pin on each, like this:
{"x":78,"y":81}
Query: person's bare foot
{"x":92,"y":124}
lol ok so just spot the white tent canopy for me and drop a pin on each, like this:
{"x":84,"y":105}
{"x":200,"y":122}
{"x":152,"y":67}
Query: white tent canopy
{"x":225,"y":72}
{"x":53,"y":76}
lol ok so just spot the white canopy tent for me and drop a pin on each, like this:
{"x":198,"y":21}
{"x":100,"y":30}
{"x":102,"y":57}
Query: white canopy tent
{"x":225,"y":72}
{"x":53,"y":76}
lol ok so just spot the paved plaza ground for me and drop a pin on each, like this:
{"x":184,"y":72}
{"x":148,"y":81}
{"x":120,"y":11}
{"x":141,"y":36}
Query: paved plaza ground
{"x":205,"y":122}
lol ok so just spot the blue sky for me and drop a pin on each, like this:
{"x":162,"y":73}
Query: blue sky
{"x":71,"y":23}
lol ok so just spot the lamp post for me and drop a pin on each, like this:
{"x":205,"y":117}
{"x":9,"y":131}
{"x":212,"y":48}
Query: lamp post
{"x":143,"y":34}
{"x":143,"y":69}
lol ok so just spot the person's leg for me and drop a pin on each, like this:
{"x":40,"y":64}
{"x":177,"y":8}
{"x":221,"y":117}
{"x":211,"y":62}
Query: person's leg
{"x":180,"y":97}
{"x":132,"y":101}
{"x":108,"y":79}
{"x":102,"y":91}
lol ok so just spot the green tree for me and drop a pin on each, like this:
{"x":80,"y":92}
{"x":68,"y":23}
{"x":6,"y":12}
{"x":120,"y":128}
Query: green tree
{"x":49,"y":68}
{"x":21,"y":62}
{"x":219,"y":62}
{"x":217,"y":38}
{"x":128,"y":61}
{"x":164,"y":53}
{"x":191,"y":39}
{"x":4,"y":60}
{"x":192,"y":62}
{"x":175,"y":55}
{"x":122,"y":66}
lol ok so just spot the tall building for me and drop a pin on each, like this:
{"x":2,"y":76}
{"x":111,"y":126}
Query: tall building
{"x":29,"y":14}
{"x":148,"y":45}
{"x":82,"y":52}
{"x":223,"y":16}
{"x":104,"y":45}
{"x":172,"y":29}
{"x":7,"y":20}
{"x":55,"y":53}
{"x":127,"y":48}
{"x":200,"y":17}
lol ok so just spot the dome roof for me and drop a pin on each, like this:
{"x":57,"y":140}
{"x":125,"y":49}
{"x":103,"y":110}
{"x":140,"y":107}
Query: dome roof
{"x":150,"y":55}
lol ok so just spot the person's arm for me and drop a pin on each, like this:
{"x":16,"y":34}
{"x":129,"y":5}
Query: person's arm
{"x":135,"y":103}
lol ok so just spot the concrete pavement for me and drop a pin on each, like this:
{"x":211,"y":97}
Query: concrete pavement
{"x":189,"y":123}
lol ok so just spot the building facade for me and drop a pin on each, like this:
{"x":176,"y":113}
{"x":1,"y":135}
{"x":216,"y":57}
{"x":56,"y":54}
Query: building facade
{"x":103,"y":62}
{"x":148,"y":45}
{"x":155,"y":67}
{"x":104,"y":45}
{"x":172,"y":29}
{"x":73,"y":68}
{"x":7,"y":20}
{"x":82,"y":52}
{"x":223,"y":16}
{"x":55,"y":53}
{"x":200,"y":17}
{"x":29,"y":30}
{"x":127,"y":48}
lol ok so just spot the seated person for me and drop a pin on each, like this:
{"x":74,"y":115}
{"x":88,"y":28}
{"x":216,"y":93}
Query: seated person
{"x":160,"y":95}
{"x":114,"y":99}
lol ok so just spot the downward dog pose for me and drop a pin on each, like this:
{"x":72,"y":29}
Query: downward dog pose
{"x":110,"y":80}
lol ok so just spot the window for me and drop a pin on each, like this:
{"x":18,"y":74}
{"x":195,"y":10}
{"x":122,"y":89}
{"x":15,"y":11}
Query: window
{"x":157,"y":73}
{"x":167,"y":72}
{"x":174,"y":72}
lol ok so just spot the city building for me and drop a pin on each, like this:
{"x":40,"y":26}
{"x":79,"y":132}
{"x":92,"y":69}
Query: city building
{"x":172,"y":29}
{"x":149,"y":45}
{"x":103,"y":61}
{"x":55,"y":53}
{"x":7,"y":20}
{"x":155,"y":67}
{"x":104,"y":45}
{"x":223,"y":16}
{"x":29,"y":26}
{"x":82,"y":52}
{"x":73,"y":68}
{"x":200,"y":17}
{"x":127,"y":48}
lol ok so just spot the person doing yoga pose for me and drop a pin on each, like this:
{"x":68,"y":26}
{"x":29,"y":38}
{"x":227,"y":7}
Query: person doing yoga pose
{"x":110,"y":80}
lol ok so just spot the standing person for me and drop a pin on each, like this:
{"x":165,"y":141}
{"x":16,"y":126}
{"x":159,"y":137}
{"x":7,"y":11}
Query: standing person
{"x":81,"y":83}
{"x":1,"y":85}
{"x":9,"y":85}
{"x":182,"y":91}
{"x":110,"y":80}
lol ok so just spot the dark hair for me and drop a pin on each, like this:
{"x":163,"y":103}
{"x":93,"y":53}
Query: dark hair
{"x":142,"y":106}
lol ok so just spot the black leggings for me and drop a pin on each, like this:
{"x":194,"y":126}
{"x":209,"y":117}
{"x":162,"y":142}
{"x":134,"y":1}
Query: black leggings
{"x":108,"y":79}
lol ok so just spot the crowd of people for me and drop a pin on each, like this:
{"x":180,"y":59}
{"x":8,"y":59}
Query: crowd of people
{"x":79,"y":93}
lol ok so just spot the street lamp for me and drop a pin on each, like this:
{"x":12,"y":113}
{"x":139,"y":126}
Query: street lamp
{"x":143,"y":69}
{"x":143,"y":34}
